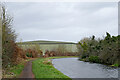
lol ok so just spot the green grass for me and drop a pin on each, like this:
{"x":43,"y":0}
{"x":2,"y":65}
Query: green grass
{"x":43,"y":68}
{"x":115,"y":65}
{"x":15,"y":71}
{"x":56,"y":57}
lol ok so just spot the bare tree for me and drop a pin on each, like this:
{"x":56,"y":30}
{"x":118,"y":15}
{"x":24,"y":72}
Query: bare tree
{"x":61,"y":49}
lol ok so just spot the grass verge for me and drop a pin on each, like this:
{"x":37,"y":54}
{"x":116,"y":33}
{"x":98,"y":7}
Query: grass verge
{"x":43,"y":68}
{"x":14,"y":71}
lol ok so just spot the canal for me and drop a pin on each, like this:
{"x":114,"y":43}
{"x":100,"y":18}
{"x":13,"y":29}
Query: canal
{"x":74,"y":68}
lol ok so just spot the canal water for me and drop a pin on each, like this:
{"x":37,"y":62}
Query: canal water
{"x":74,"y":68}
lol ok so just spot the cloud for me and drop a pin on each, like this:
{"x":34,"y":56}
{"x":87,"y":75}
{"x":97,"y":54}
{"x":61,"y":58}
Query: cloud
{"x":64,"y":21}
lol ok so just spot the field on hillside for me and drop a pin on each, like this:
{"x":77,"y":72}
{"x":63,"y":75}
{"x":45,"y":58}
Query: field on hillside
{"x":49,"y":45}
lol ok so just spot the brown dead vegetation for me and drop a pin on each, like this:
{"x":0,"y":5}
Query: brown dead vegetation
{"x":20,"y":54}
{"x":55,"y":53}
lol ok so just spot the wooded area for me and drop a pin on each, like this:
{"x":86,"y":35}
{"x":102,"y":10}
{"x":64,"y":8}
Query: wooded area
{"x":104,"y":51}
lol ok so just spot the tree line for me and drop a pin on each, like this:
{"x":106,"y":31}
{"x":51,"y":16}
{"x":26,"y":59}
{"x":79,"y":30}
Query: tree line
{"x":105,"y":51}
{"x":12,"y":54}
{"x":8,"y":37}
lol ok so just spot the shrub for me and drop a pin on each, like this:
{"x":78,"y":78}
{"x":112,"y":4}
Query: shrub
{"x":55,"y":53}
{"x":32,"y":52}
{"x":8,"y":38}
{"x":94,"y":59}
{"x":116,"y":65}
{"x":28,"y":54}
{"x":18,"y":55}
{"x":104,"y":50}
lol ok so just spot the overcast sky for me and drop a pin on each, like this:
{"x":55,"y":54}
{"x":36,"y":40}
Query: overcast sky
{"x":63,"y":21}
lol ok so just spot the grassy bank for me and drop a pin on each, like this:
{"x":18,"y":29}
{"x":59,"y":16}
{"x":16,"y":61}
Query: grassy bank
{"x":14,"y":71}
{"x":95,"y":59}
{"x":61,"y":57}
{"x":43,"y":68}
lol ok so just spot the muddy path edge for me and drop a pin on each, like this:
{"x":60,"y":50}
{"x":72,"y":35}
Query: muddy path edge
{"x":27,"y":71}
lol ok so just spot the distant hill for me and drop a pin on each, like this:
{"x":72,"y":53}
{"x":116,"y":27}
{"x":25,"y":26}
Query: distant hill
{"x":49,"y":45}
{"x":46,"y":42}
